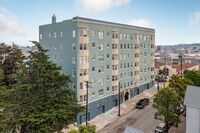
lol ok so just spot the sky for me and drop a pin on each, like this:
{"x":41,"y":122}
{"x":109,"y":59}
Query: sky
{"x":175,"y":21}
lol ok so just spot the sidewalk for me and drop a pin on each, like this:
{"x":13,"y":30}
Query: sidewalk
{"x":112,"y":115}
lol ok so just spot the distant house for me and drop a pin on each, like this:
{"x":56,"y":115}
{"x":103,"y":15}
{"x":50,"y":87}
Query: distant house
{"x":175,"y":69}
{"x":192,"y":102}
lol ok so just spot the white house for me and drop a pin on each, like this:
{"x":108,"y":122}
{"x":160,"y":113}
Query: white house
{"x":192,"y":102}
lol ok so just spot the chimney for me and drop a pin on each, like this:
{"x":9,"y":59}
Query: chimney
{"x":54,"y":19}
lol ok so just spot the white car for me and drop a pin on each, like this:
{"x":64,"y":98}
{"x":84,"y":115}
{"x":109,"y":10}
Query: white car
{"x":161,"y":128}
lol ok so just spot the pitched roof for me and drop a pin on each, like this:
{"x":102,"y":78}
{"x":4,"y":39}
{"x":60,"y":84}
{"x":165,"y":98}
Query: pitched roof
{"x":192,"y":97}
{"x":184,"y":66}
{"x":158,"y":64}
{"x":132,"y":130}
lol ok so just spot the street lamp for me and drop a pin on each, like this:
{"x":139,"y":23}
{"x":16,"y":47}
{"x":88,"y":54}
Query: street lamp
{"x":87,"y":86}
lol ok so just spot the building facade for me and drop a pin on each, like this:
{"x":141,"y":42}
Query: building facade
{"x":103,"y":53}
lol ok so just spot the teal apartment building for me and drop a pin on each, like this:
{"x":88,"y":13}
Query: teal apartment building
{"x":103,"y":53}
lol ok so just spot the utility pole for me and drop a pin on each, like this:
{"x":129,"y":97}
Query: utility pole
{"x":87,"y":86}
{"x":165,"y":68}
{"x":181,"y":57}
{"x":119,"y":101}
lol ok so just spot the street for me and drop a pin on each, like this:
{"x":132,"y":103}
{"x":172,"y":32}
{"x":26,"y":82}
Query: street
{"x":141,"y":119}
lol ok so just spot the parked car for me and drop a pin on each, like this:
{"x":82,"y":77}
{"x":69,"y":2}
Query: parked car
{"x":161,"y":128}
{"x":140,"y":104}
{"x":162,"y":80}
{"x":146,"y":101}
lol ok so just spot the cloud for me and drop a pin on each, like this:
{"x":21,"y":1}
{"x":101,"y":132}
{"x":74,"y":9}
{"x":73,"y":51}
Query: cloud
{"x":195,"y":19}
{"x":141,"y":23}
{"x":9,"y":26}
{"x":98,"y":6}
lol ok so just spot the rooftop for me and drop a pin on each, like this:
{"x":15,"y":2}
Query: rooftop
{"x":184,"y":66}
{"x":192,"y":97}
{"x":106,"y":22}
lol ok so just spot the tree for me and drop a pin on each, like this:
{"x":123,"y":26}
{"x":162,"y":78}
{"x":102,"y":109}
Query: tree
{"x":178,"y":86}
{"x":185,"y":71}
{"x":194,"y":76}
{"x":41,"y":101}
{"x":11,"y":60}
{"x":160,"y":72}
{"x":84,"y":129}
{"x":166,"y":103}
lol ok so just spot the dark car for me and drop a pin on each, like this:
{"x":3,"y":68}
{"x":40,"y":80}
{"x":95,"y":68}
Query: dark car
{"x":162,"y":80}
{"x":146,"y":101}
{"x":140,"y":104}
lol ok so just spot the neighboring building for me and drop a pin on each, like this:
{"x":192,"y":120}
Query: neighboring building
{"x":188,"y":66}
{"x":103,"y":53}
{"x":192,"y":102}
{"x":175,"y":69}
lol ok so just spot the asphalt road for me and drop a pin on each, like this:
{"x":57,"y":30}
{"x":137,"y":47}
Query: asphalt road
{"x":141,"y":119}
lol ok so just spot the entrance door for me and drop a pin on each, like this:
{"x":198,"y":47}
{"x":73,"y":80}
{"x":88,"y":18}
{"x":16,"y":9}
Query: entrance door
{"x":137,"y":91}
{"x":126,"y":96}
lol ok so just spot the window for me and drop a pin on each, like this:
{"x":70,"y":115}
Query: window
{"x":127,"y":36}
{"x":73,"y":73}
{"x":93,"y":44}
{"x":80,"y":59}
{"x":61,"y":34}
{"x":101,"y":57}
{"x":93,"y":93}
{"x":81,"y":33}
{"x":136,"y":36}
{"x":84,"y":33}
{"x":73,"y":60}
{"x":108,"y":67}
{"x":61,"y":46}
{"x":124,"y":65}
{"x":84,"y":72}
{"x":54,"y":45}
{"x":101,"y":81}
{"x":81,"y":46}
{"x":115,"y":46}
{"x":81,"y":85}
{"x":152,"y":37}
{"x":55,"y":35}
{"x":121,"y":46}
{"x":93,"y":31}
{"x":93,"y":57}
{"x":108,"y":88}
{"x":108,"y":77}
{"x":54,"y":57}
{"x":50,"y":35}
{"x":101,"y":33}
{"x":108,"y":33}
{"x":124,"y":56}
{"x":121,"y":56}
{"x":93,"y":69}
{"x":84,"y":97}
{"x":131,"y":36}
{"x":81,"y":72}
{"x":145,"y":37}
{"x":131,"y":46}
{"x":124,"y":46}
{"x":101,"y":92}
{"x":73,"y":34}
{"x":85,"y":46}
{"x":73,"y":47}
{"x":101,"y":69}
{"x":73,"y":86}
{"x":120,"y":36}
{"x":101,"y":46}
{"x":81,"y":99}
{"x":107,"y":56}
{"x":141,"y":36}
{"x":85,"y":59}
{"x":61,"y":58}
{"x":108,"y":45}
{"x":124,"y":36}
